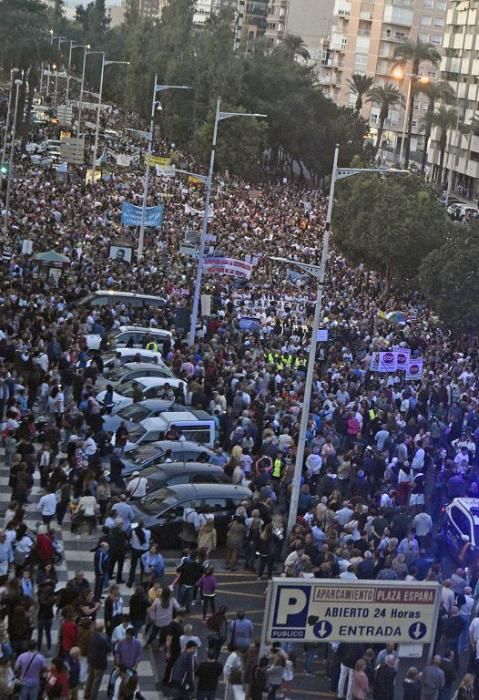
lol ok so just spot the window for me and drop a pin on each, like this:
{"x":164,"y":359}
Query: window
{"x":361,"y":61}
{"x":461,"y":521}
{"x":424,"y":38}
{"x":201,"y":435}
{"x":436,"y":39}
{"x":428,"y":4}
{"x":426,"y":20}
{"x":213,"y":504}
{"x":439,"y":21}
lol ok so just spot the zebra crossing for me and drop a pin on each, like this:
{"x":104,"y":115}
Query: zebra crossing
{"x":78,"y":557}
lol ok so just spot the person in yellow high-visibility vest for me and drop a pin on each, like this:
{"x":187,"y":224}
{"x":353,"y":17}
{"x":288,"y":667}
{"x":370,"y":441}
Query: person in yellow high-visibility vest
{"x":151,"y":345}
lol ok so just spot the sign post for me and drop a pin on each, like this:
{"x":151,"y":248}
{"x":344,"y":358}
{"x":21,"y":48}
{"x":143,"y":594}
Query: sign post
{"x":330,"y":610}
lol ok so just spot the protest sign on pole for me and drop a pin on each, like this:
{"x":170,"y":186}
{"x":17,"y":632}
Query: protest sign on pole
{"x":384,"y":362}
{"x":415,"y":369}
{"x":166,"y":171}
{"x":131,"y":215}
{"x":122,"y":160}
{"x":156,"y":160}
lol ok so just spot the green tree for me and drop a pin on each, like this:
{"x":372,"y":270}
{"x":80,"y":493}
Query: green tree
{"x":94,"y":20}
{"x":443,"y":119}
{"x":449,"y":279}
{"x":293,"y":47}
{"x":440,"y":91}
{"x":240,"y":144}
{"x":359,"y":85}
{"x":385,"y":96}
{"x":389,"y":223}
{"x":415,"y":53}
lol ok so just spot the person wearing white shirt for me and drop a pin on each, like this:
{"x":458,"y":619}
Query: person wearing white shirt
{"x":48,"y":506}
{"x":137,"y":486}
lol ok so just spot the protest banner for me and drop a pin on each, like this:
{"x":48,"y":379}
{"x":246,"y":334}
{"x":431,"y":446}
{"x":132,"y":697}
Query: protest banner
{"x":227,"y":266}
{"x":415,"y":369}
{"x":131,"y":215}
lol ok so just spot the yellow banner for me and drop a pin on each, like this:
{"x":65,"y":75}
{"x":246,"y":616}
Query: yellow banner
{"x":156,"y":160}
{"x":195,"y":180}
{"x":65,"y":135}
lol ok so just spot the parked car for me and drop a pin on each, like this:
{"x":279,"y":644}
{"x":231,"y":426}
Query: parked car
{"x":133,"y":370}
{"x":145,"y":456}
{"x":459,"y":211}
{"x":461,"y":527}
{"x":108,"y":297}
{"x":150,"y":388}
{"x":175,"y":473}
{"x":194,"y":425}
{"x":121,"y":356}
{"x":162,"y":510}
{"x":136,"y":412}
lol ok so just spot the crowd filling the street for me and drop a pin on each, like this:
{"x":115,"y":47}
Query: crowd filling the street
{"x":175,"y":461}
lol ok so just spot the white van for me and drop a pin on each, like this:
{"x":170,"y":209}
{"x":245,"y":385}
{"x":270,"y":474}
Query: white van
{"x":196,"y":426}
{"x":131,"y":337}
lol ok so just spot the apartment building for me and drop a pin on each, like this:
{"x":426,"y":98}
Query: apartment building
{"x":460,"y":67}
{"x":312,"y":20}
{"x":363,"y":39}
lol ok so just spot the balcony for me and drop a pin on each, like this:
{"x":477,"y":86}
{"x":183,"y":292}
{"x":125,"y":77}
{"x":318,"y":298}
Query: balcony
{"x":395,"y":37}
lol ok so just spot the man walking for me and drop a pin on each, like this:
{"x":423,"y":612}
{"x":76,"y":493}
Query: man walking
{"x":184,"y":671}
{"x":97,"y":657}
{"x":432,"y":680}
{"x":29,"y":667}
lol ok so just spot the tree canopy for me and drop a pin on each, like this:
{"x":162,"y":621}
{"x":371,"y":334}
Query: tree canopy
{"x":449,"y":278}
{"x":390,"y":223}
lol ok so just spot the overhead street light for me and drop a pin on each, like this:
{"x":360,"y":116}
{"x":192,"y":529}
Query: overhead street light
{"x":149,"y":137}
{"x":220,"y":116}
{"x":399,"y":74}
{"x":319,"y":272}
{"x":97,"y":128}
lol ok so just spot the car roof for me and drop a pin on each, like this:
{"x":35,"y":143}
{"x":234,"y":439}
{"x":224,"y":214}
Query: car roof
{"x":155,"y":404}
{"x":179,"y":416}
{"x":133,"y":351}
{"x":159,"y":381}
{"x":198,"y":491}
{"x":133,"y":366}
{"x":130,"y":295}
{"x":171,"y":468}
{"x":143,"y":329}
{"x":177,"y":445}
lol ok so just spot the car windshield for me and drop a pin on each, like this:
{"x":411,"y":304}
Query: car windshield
{"x":135,"y":413}
{"x":136,"y":433}
{"x":159,"y":500}
{"x":116,"y":373}
{"x":144,"y":453}
{"x":128,"y":389}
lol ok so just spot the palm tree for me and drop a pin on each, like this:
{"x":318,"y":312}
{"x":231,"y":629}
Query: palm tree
{"x":443,"y":119}
{"x":293,"y":47}
{"x":386,"y":96}
{"x":415,"y":53}
{"x":434,"y":91}
{"x":359,"y":85}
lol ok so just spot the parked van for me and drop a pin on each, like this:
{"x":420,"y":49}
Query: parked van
{"x":194,"y":426}
{"x":130,"y":337}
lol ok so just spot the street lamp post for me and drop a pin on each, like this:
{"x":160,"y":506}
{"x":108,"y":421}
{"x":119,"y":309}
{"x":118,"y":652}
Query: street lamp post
{"x":72,"y":46}
{"x":149,"y":136}
{"x":319,"y":272}
{"x":9,"y":107}
{"x":86,"y":53}
{"x":220,"y":116}
{"x":399,"y":75}
{"x":18,"y":83}
{"x":97,"y":128}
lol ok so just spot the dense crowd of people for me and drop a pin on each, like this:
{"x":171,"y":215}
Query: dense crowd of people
{"x":383,"y":455}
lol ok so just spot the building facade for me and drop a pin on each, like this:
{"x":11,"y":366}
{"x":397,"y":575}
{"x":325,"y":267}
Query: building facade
{"x":460,"y":67}
{"x":363,"y":39}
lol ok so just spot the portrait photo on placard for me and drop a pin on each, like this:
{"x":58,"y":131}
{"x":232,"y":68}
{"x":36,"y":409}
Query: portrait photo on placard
{"x":120,"y":253}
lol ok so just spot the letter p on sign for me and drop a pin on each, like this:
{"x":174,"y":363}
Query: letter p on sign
{"x":292,"y":607}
